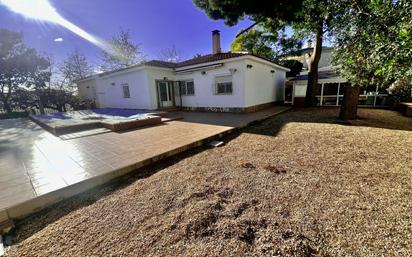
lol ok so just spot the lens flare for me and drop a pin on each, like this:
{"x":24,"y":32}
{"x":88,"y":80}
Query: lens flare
{"x":42,"y":10}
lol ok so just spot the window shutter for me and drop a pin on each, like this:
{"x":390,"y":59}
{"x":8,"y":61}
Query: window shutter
{"x":222,"y":79}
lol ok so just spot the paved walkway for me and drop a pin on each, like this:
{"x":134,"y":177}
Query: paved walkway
{"x":38,"y":168}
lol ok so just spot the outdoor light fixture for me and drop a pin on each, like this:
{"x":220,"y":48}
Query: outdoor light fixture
{"x":249,"y":66}
{"x":232,"y":70}
{"x":272,"y":71}
{"x":203,"y":72}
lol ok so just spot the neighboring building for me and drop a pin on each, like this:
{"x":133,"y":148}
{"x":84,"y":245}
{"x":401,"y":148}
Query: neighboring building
{"x":227,"y":82}
{"x":330,"y":84}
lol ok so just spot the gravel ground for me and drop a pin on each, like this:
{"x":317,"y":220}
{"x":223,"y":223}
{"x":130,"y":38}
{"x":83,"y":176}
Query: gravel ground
{"x":299,"y":184}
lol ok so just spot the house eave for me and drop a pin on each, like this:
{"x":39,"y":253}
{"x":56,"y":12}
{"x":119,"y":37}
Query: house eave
{"x":203,"y":67}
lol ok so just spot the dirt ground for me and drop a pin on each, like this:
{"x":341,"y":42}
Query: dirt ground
{"x":299,"y":184}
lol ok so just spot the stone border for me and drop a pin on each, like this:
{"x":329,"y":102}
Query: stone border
{"x":131,"y":124}
{"x":253,"y":108}
{"x":406,"y":109}
{"x":114,"y":126}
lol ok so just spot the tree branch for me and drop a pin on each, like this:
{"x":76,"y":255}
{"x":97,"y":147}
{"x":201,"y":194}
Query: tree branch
{"x":247,"y":29}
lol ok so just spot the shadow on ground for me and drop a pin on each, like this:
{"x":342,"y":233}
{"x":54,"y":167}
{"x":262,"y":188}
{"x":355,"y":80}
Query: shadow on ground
{"x":368,"y":117}
{"x":270,"y":127}
{"x":372,"y":118}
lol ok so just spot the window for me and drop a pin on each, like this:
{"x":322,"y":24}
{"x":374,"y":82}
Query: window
{"x":126,"y":91}
{"x":187,"y":87}
{"x":224,"y":85}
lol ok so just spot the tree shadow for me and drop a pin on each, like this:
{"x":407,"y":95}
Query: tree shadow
{"x":368,"y":117}
{"x":375,"y":118}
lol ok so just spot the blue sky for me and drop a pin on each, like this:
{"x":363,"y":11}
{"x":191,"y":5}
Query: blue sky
{"x":155,"y":24}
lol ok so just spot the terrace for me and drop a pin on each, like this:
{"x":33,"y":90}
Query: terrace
{"x":38,"y":168}
{"x":297,"y":184}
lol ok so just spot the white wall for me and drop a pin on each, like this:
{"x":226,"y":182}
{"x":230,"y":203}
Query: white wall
{"x":250,"y":86}
{"x":112,"y":95}
{"x":87,"y":89}
{"x":299,"y":89}
{"x":262,"y":86}
{"x":300,"y":86}
{"x":153,"y":74}
{"x":325,"y":58}
{"x":205,"y":87}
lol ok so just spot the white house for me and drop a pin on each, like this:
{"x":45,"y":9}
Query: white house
{"x":227,"y":82}
{"x":331,"y":84}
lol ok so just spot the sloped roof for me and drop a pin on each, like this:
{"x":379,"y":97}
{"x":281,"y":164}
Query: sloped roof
{"x":197,"y":60}
{"x":158,"y":63}
{"x":209,"y":58}
{"x":194,"y":61}
{"x":202,"y":59}
{"x":321,"y":75}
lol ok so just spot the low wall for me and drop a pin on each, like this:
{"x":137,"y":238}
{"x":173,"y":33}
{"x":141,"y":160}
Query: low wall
{"x":126,"y":125}
{"x":253,"y":108}
{"x":406,"y":109}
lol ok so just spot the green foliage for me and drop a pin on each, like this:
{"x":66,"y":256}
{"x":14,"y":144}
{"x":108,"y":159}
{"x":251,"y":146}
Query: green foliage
{"x":234,"y":10}
{"x":255,"y":42}
{"x":304,"y":16}
{"x":309,"y":19}
{"x":374,"y":42}
{"x":25,"y":77}
{"x":21,"y":68}
{"x":13,"y":115}
{"x":401,"y":89}
{"x":294,"y":66}
{"x":263,"y":44}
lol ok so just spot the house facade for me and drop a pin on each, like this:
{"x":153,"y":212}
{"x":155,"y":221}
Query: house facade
{"x":225,"y":82}
{"x":331,"y":84}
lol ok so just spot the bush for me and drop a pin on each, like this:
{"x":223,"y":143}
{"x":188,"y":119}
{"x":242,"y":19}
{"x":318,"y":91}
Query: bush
{"x":13,"y":115}
{"x":402,"y":90}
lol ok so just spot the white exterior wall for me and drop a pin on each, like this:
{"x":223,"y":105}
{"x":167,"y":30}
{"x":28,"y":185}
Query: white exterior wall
{"x":205,"y":87}
{"x":262,"y":86}
{"x":324,"y":61}
{"x":87,"y":90}
{"x":111,"y":96}
{"x":250,"y":86}
{"x":153,"y":74}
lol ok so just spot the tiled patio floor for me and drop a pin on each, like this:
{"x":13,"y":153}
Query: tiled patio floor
{"x":38,"y":168}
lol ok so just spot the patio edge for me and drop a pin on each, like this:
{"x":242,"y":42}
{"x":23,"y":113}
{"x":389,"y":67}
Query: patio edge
{"x":34,"y":205}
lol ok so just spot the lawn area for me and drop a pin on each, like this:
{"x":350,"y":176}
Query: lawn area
{"x":298,"y":184}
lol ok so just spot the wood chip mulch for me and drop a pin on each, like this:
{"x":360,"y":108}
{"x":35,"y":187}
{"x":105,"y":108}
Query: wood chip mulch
{"x":299,"y":184}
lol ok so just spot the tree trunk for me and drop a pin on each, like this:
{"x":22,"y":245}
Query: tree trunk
{"x":349,"y":108}
{"x":41,"y":104}
{"x":7,"y":106}
{"x":313,"y":64}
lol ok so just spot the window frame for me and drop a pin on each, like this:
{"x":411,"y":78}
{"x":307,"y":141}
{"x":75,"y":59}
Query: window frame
{"x":183,"y":85}
{"x":225,"y":84}
{"x":124,"y":86}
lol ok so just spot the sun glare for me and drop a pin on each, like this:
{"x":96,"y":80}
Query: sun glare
{"x":42,"y":10}
{"x":34,"y":9}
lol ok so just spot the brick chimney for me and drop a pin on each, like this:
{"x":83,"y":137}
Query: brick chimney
{"x":216,"y":42}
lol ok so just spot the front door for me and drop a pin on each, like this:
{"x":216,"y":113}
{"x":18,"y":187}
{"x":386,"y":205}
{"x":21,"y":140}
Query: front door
{"x":165,"y":93}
